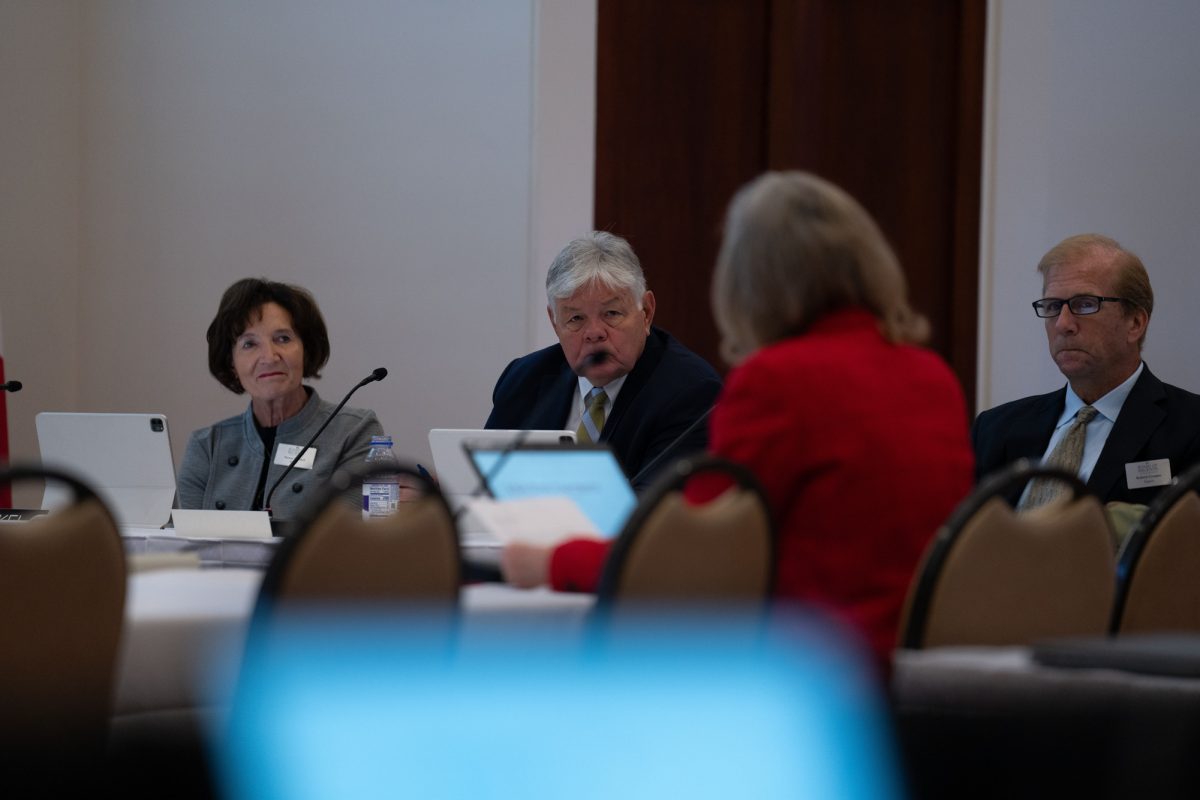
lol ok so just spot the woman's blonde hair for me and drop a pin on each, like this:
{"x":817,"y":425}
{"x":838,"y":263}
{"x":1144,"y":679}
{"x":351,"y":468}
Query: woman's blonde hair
{"x":795,"y":248}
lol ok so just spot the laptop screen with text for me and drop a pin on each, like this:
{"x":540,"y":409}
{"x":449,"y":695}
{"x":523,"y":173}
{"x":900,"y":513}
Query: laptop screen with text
{"x":588,"y":474}
{"x":452,"y":465}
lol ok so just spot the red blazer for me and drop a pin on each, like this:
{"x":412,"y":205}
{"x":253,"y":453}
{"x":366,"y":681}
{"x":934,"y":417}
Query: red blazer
{"x":862,"y":448}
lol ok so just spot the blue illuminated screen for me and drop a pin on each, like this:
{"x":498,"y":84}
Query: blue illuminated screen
{"x":589,"y":476}
{"x":374,"y":713}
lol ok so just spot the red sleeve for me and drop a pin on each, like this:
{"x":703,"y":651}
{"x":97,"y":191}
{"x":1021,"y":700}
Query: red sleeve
{"x":576,"y":564}
{"x":705,"y":488}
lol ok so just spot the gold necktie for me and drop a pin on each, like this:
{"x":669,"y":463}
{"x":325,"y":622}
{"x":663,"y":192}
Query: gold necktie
{"x":592,"y":421}
{"x":1067,"y":454}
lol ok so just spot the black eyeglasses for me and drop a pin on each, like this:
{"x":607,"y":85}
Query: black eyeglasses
{"x":1081,"y":305}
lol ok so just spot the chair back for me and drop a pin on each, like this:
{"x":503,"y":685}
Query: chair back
{"x":674,"y":551}
{"x":62,"y":606}
{"x":338,"y":558}
{"x":993,"y":576}
{"x":1158,"y":569}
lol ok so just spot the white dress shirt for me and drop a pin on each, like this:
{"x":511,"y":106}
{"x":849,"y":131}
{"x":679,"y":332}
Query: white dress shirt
{"x":581,"y":400}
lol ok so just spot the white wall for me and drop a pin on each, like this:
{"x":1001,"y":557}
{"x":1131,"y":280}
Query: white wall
{"x":39,"y":209}
{"x":1093,"y":124}
{"x":415,"y":164}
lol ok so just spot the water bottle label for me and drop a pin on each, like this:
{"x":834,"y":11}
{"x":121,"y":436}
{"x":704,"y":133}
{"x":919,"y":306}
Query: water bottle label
{"x":380,"y":499}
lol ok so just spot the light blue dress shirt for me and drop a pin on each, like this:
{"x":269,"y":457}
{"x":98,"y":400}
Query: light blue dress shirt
{"x":1108,"y":408}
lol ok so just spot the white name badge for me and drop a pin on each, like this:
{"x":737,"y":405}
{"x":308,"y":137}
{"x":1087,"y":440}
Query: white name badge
{"x":284,"y":454}
{"x":1143,"y":474}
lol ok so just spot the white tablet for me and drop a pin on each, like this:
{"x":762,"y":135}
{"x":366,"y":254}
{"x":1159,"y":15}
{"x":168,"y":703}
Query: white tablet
{"x":126,"y":458}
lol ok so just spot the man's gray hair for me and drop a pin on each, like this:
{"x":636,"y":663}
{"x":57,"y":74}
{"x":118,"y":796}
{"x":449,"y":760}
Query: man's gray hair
{"x":599,"y":257}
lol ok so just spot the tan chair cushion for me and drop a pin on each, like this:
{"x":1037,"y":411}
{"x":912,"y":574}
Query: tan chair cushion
{"x":62,"y":602}
{"x":717,"y":551}
{"x":1164,"y":589}
{"x":409,"y":555}
{"x":1011,"y":579}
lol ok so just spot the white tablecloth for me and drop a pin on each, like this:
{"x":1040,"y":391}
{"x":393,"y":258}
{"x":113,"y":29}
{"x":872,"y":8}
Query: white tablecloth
{"x":141,"y":542}
{"x":184,"y":631}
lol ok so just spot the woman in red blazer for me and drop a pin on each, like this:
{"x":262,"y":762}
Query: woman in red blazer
{"x":858,"y":435}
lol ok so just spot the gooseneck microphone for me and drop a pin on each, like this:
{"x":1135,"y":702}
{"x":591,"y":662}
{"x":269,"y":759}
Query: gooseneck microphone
{"x":11,"y":386}
{"x":378,"y":374}
{"x":484,"y":485}
{"x":674,"y":443}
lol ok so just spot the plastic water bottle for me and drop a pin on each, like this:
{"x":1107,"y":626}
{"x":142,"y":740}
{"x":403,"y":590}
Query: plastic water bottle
{"x":381,"y":492}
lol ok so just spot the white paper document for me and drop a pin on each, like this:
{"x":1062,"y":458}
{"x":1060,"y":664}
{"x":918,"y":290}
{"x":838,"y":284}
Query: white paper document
{"x":537,"y":520}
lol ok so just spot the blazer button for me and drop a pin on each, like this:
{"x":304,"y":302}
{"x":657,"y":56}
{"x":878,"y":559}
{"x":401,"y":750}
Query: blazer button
{"x":220,"y":504}
{"x":233,"y":461}
{"x":297,"y":487}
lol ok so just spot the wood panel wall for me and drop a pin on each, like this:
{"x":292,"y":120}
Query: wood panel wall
{"x":695,"y":97}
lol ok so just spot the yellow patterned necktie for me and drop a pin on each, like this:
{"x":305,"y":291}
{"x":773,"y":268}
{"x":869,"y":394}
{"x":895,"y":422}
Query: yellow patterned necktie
{"x":1067,"y":454}
{"x":592,"y":421}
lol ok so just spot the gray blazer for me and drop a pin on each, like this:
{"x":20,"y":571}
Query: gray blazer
{"x":222,"y":462}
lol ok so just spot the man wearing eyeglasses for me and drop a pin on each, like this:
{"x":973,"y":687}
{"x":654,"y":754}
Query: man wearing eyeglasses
{"x":1124,"y":431}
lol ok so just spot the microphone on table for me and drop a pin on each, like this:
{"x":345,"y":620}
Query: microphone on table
{"x":11,"y":386}
{"x":378,"y":374}
{"x":489,"y":572}
{"x":474,"y":571}
{"x":484,"y":484}
{"x":543,"y":405}
{"x":674,"y":443}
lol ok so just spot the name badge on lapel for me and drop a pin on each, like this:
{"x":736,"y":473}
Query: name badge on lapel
{"x":1144,"y":474}
{"x":284,"y":454}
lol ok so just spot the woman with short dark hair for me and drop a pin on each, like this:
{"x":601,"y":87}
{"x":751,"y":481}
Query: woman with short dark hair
{"x":264,"y":340}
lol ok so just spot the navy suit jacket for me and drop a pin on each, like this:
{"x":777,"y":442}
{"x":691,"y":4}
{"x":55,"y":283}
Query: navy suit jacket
{"x":668,"y":389}
{"x":1157,"y":421}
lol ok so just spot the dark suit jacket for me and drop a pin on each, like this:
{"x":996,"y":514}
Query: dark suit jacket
{"x":668,"y":389}
{"x":1157,"y":421}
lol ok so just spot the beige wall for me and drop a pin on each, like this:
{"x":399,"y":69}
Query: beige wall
{"x":414,"y":164}
{"x":40,"y":165}
{"x":417,"y":164}
{"x":1092,"y":123}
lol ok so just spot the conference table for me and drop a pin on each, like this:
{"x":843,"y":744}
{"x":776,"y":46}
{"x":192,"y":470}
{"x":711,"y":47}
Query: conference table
{"x":1016,"y":722}
{"x":188,"y":604}
{"x":980,"y":722}
{"x":1001,"y":679}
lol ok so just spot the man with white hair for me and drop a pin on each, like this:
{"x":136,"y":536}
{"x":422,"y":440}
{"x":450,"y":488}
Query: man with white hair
{"x":613,"y":376}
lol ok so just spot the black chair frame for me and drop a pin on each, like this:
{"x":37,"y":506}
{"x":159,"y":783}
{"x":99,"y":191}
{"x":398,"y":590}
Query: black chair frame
{"x":1139,"y":537}
{"x":80,"y":489}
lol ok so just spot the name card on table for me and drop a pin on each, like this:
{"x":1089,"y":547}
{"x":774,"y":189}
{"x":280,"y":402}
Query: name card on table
{"x":211,"y":524}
